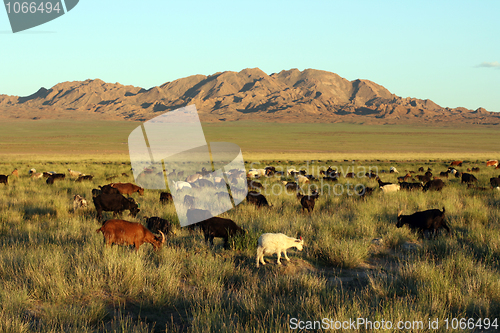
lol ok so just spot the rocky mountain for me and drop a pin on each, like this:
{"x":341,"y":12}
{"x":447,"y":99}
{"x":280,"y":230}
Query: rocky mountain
{"x":288,"y":96}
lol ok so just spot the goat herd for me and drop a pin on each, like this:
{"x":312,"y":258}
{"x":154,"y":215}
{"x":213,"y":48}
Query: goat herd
{"x":111,"y":197}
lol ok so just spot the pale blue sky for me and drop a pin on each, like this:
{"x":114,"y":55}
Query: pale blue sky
{"x":447,"y":51}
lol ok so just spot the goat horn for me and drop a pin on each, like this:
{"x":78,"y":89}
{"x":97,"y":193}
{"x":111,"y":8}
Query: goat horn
{"x":400,"y":212}
{"x":162,"y":237}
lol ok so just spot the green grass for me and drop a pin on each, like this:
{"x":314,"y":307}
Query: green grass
{"x":347,"y":138}
{"x":31,"y":139}
{"x":77,"y":137}
{"x":57,"y":276}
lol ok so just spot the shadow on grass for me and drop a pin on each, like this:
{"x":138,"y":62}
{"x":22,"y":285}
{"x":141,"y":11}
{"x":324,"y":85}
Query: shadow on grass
{"x":38,"y":238}
{"x":30,"y":212}
{"x":174,"y":317}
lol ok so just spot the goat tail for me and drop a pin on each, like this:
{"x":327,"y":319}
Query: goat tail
{"x":100,"y":229}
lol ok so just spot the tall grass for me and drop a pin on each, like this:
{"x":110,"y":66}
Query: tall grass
{"x":57,"y":275}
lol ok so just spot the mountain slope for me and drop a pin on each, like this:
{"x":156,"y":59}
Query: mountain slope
{"x":288,"y":96}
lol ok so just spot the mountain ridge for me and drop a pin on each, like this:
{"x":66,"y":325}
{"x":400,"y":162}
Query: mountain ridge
{"x":288,"y":96}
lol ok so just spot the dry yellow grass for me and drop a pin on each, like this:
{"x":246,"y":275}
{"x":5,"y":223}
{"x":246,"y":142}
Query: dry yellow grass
{"x":51,"y":139}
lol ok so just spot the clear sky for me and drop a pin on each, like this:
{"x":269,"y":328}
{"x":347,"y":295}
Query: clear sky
{"x":446,"y":51}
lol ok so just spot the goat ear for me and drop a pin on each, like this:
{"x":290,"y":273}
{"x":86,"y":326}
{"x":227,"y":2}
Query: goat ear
{"x":400,"y":212}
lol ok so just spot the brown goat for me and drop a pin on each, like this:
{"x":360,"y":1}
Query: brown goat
{"x":404,"y":178}
{"x":123,"y":232}
{"x":493,"y":163}
{"x":128,"y":188}
{"x":308,"y":201}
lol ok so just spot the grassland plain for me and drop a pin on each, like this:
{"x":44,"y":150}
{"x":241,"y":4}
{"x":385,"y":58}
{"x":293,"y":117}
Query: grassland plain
{"x":62,"y":139}
{"x":57,"y":275}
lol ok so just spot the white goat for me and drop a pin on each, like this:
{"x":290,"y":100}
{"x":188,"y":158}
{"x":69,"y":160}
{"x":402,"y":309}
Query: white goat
{"x":302,"y":179}
{"x":79,"y":202}
{"x":180,"y":184}
{"x":74,"y":174}
{"x":393,"y":169}
{"x":254,"y":173}
{"x":193,"y":178}
{"x":261,"y":172}
{"x":390,"y":188}
{"x":37,"y":175}
{"x":276,"y":243}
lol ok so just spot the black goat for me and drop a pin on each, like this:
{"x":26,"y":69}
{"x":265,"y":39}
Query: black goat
{"x":381,"y":183}
{"x":220,"y":227}
{"x":444,"y":174}
{"x":156,"y":224}
{"x":435,"y":184}
{"x":166,"y":197}
{"x":270,"y":170}
{"x":308,"y":201}
{"x":468,"y":178}
{"x":365,"y":191}
{"x":428,"y":220}
{"x":291,"y":186}
{"x":204,"y":183}
{"x":108,"y":189}
{"x":257,"y":199}
{"x":411,"y":186}
{"x":84,"y":177}
{"x":189,"y":201}
{"x":4,"y":179}
{"x":423,"y":178}
{"x":115,"y":203}
{"x":57,"y":176}
{"x":252,"y":184}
